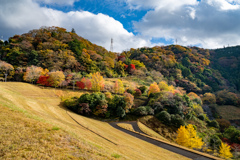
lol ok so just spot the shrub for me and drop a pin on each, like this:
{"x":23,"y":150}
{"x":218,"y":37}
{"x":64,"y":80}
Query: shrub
{"x":71,"y":103}
{"x":209,"y":98}
{"x":213,"y":123}
{"x":121,"y":112}
{"x":232,"y":134}
{"x":158,"y":107}
{"x":130,"y":91}
{"x":214,"y":141}
{"x":226,"y":98}
{"x":177,"y":120}
{"x":137,"y":93}
{"x":149,"y":110}
{"x":84,"y":109}
{"x":201,"y":117}
{"x":108,"y":96}
{"x":114,"y":103}
{"x":164,"y":117}
{"x":143,"y":89}
{"x":223,"y":124}
{"x":143,"y":111}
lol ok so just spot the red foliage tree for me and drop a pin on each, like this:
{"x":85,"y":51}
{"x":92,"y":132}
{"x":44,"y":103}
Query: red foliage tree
{"x":132,"y":66}
{"x":121,"y":58}
{"x":43,"y":80}
{"x":80,"y":84}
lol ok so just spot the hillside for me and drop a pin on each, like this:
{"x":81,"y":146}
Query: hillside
{"x":176,"y":86}
{"x":37,"y":113}
{"x":227,"y":62}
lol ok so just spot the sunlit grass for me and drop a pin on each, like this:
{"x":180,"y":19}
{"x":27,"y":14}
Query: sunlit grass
{"x":126,"y":126}
{"x":47,"y":130}
{"x":150,"y":132}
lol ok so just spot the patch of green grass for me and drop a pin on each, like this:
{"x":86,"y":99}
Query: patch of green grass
{"x":55,"y":128}
{"x":115,"y":155}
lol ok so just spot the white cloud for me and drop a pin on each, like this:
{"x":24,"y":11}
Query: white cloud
{"x":209,"y":23}
{"x":59,"y":2}
{"x":224,"y":4}
{"x":17,"y":17}
{"x":159,"y":4}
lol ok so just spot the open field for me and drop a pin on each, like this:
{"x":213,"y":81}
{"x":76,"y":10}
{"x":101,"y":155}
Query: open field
{"x":39,"y":122}
{"x":229,"y":112}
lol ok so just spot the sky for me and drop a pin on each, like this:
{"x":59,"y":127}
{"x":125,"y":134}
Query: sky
{"x":131,"y":23}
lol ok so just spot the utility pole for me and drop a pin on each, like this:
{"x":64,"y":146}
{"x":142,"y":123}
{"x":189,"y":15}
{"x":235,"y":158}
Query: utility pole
{"x":6,"y":77}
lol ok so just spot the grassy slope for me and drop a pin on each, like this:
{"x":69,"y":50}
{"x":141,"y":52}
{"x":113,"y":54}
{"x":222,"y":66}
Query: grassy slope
{"x":40,"y":111}
{"x":229,"y":112}
{"x":150,"y":132}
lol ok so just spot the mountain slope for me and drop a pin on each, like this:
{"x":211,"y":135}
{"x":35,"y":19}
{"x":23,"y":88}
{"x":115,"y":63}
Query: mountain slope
{"x":42,"y":106}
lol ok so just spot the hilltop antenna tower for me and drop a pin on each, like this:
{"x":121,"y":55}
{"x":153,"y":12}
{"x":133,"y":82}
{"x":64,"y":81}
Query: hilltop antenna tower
{"x":111,"y":48}
{"x":176,"y":41}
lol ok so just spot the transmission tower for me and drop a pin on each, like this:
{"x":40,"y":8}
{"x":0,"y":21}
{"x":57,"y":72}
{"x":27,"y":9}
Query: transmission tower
{"x":111,"y":48}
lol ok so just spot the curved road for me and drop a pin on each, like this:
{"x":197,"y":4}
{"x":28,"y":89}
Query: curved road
{"x":166,"y":146}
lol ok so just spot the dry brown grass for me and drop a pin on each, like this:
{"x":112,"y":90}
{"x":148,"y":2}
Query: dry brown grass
{"x":229,"y":112}
{"x":126,"y":126}
{"x":26,"y":138}
{"x":150,"y":132}
{"x":41,"y":110}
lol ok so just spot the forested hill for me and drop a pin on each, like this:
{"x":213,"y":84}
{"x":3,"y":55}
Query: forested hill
{"x":227,"y":61}
{"x":56,"y":49}
{"x":195,"y":69}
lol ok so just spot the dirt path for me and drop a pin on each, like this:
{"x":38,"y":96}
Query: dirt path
{"x":166,"y":146}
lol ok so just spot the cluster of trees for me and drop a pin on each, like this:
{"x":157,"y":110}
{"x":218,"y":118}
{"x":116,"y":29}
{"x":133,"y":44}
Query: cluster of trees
{"x":187,"y":136}
{"x":227,"y":62}
{"x":100,"y":104}
{"x":180,"y":79}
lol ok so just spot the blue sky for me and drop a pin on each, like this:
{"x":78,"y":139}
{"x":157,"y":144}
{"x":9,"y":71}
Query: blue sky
{"x":131,"y":23}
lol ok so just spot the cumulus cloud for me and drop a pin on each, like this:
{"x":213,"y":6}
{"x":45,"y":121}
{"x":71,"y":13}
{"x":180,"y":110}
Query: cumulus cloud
{"x":159,"y":4}
{"x":209,"y":23}
{"x":58,"y":2}
{"x":17,"y":17}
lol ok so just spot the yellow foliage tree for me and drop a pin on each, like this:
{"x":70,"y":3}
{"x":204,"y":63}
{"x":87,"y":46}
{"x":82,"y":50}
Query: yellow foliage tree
{"x":188,"y":137}
{"x":56,"y":78}
{"x":194,"y":140}
{"x":182,"y":136}
{"x":225,"y":151}
{"x":137,"y":63}
{"x":153,"y":88}
{"x":118,"y":87}
{"x":97,"y":82}
{"x":163,"y":86}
